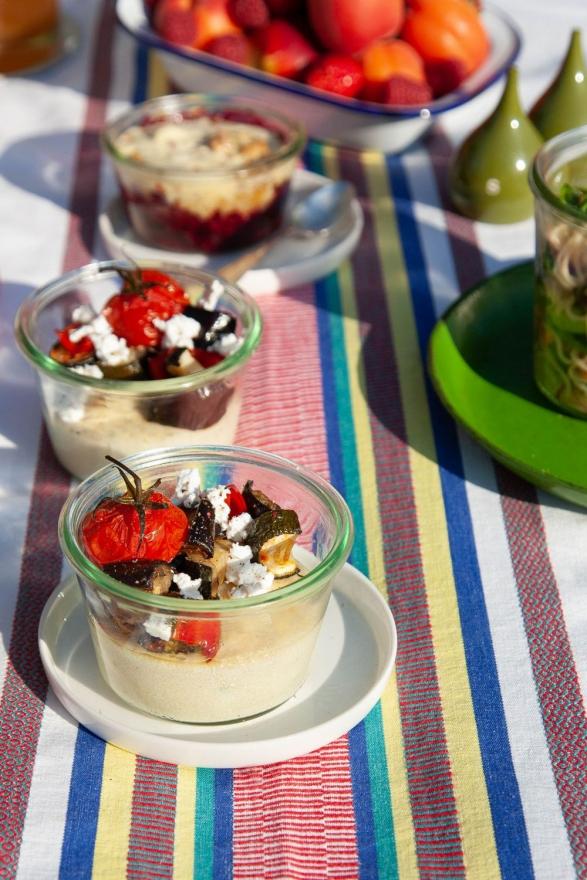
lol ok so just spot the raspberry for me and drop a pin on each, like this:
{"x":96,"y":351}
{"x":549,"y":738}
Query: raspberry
{"x":403,"y":91}
{"x":250,"y":14}
{"x":175,"y":25}
{"x":444,"y":75}
{"x":340,"y":74}
{"x":231,"y":47}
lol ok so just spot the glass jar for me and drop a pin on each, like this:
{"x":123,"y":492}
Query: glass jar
{"x":210,"y":196}
{"x":559,"y":183}
{"x":88,"y":418}
{"x":262,"y":644}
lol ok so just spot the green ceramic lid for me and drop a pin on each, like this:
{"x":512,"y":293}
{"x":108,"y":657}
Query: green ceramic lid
{"x":564,"y":104}
{"x":489,"y":177}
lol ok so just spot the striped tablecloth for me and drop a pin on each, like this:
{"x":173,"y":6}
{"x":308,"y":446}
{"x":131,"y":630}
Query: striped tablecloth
{"x":474,"y":764}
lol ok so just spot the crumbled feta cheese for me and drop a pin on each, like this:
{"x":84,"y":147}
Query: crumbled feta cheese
{"x":187,"y":488}
{"x":226,"y":344}
{"x":217,"y":498}
{"x":188,"y":587}
{"x":98,"y":326}
{"x":238,"y":527}
{"x":83,"y":314}
{"x":91,"y":370}
{"x":249,"y":578}
{"x":158,"y":626}
{"x":179,"y":331}
{"x":110,"y":349}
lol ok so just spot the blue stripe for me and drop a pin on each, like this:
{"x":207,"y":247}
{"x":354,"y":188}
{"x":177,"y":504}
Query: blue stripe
{"x":141,"y":73}
{"x":376,"y":856}
{"x":81,"y":822}
{"x":504,"y":796}
{"x":222,"y":824}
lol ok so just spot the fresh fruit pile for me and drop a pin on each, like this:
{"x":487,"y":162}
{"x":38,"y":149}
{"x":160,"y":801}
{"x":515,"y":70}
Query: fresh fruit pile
{"x":149,"y":330}
{"x":388,"y":51}
{"x":219,"y":543}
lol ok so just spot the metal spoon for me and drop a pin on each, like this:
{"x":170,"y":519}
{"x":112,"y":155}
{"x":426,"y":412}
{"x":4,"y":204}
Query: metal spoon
{"x":320,"y":213}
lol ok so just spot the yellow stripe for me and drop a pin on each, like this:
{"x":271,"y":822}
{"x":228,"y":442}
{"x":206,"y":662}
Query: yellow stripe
{"x":392,"y":732}
{"x":114,"y":817}
{"x":461,"y":732}
{"x":157,"y":79}
{"x":185,"y":823}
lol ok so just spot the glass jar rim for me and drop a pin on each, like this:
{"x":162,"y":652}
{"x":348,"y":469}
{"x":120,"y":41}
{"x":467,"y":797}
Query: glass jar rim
{"x":173,"y":103}
{"x":317,"y":485}
{"x":136,"y":388}
{"x":543,"y":162}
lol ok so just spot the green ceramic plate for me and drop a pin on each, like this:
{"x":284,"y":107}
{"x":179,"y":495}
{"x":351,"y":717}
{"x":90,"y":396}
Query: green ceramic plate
{"x":480,"y":360}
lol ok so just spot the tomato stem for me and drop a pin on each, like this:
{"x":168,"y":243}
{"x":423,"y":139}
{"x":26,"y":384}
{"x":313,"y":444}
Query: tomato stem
{"x":138,"y":496}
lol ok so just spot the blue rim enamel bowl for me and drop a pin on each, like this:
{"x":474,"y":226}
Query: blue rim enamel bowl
{"x":326,"y":117}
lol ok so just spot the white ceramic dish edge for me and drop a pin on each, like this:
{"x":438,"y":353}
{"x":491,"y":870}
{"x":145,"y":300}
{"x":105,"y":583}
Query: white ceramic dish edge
{"x":326,"y":117}
{"x":252,"y":743}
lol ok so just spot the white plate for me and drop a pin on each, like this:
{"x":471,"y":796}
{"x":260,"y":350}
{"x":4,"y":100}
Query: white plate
{"x":290,"y":262}
{"x":353,"y":659}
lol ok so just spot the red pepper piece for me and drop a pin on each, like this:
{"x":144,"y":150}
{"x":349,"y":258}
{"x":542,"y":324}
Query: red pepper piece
{"x":203,"y":633}
{"x":156,"y":365}
{"x":84,"y":346}
{"x":207,"y":358}
{"x":235,"y":501}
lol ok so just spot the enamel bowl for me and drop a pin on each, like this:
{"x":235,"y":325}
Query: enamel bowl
{"x":350,"y":122}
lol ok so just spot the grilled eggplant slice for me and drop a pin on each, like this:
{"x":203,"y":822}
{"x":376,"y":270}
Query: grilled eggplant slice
{"x":273,"y":540}
{"x":150,"y":576}
{"x":60,"y":354}
{"x":216,"y":565}
{"x":202,"y":528}
{"x":195,"y":570}
{"x":214,"y":324}
{"x":257,"y":502}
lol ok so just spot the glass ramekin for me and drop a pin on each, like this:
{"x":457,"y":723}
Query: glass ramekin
{"x":87,"y":418}
{"x":560,"y":304}
{"x":205,"y":210}
{"x":266,"y":641}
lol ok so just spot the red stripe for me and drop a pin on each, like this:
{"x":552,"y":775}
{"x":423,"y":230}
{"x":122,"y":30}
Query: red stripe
{"x":555,"y":675}
{"x":421,"y":712}
{"x":301,"y":812}
{"x":152,"y":826}
{"x":317,"y":840}
{"x":553,"y":665}
{"x":25,"y":686}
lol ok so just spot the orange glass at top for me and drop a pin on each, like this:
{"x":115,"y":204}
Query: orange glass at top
{"x":29,"y":33}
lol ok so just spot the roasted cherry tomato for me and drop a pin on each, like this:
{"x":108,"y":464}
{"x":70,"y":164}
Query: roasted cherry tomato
{"x":84,"y":346}
{"x":145,"y":296}
{"x":203,"y":633}
{"x":141,"y":524}
{"x":235,"y":501}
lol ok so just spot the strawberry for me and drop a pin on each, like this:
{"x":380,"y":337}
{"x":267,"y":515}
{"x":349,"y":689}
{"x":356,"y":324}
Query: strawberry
{"x":249,"y":14}
{"x":403,"y":91}
{"x":284,"y":50}
{"x":340,"y":74}
{"x":232,"y":47}
{"x":174,"y":22}
{"x":444,"y":75}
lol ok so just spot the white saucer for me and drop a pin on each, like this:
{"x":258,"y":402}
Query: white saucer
{"x":290,"y":262}
{"x":350,"y":667}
